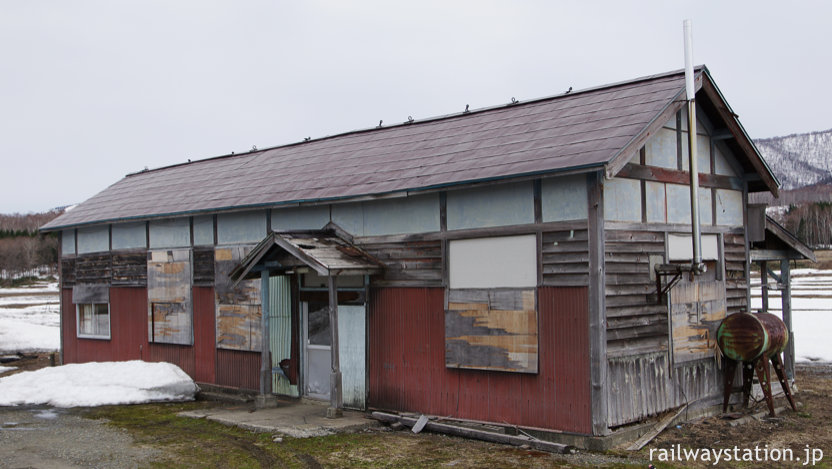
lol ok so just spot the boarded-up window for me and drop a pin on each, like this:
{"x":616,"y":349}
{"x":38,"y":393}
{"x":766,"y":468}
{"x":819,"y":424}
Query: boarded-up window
{"x":170,"y":313}
{"x":680,"y":247}
{"x":491,"y":317}
{"x":696,"y":309}
{"x":239,"y":309}
{"x":507,"y":261}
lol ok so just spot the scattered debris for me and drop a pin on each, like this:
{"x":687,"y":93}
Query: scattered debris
{"x":420,"y":424}
{"x":654,"y":432}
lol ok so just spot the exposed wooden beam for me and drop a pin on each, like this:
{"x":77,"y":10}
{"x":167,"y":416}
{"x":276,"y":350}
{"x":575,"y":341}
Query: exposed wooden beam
{"x":674,"y":176}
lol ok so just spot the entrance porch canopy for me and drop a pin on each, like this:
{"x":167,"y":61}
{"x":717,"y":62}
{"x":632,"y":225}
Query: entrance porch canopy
{"x":329,"y":252}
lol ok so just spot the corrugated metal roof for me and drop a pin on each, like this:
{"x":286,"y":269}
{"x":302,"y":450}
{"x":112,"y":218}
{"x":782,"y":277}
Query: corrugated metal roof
{"x":581,"y":129}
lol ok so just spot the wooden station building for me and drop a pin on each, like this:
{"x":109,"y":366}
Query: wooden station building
{"x":496,"y":265}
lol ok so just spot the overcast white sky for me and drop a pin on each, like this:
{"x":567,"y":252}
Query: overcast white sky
{"x":91,"y":90}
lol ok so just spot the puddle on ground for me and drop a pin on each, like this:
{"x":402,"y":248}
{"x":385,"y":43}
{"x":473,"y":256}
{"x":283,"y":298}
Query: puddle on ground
{"x":48,"y":414}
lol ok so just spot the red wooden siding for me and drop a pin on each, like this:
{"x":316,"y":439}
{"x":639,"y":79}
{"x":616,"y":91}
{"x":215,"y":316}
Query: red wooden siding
{"x":204,"y":335}
{"x":129,"y":341}
{"x":128,"y":329}
{"x":238,"y":369}
{"x":180,"y":355}
{"x":407,"y":365}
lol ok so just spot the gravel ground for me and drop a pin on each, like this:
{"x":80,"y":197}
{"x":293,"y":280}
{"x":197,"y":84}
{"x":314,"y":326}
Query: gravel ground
{"x":45,"y":437}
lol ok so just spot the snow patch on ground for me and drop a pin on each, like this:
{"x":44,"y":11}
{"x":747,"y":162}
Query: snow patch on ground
{"x":811,"y":312}
{"x":4,"y":369}
{"x":30,"y":319}
{"x":98,"y":383}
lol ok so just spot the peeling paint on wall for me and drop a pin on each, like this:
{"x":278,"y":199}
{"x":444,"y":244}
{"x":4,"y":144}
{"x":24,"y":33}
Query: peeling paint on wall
{"x":492,"y":330}
{"x":239,"y":310}
{"x":170,"y":312}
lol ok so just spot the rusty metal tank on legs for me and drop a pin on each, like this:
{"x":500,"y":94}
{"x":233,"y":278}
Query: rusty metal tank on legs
{"x":753,"y":340}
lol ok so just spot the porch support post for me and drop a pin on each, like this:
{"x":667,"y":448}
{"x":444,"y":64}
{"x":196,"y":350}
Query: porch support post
{"x":335,"y":397}
{"x":764,"y":284}
{"x":786,"y":299}
{"x":265,"y":398}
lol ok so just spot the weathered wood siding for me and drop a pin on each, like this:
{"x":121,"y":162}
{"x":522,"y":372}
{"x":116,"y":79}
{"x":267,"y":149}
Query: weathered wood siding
{"x":635,"y":321}
{"x":407,"y":263}
{"x":736,"y":281}
{"x":645,"y":385}
{"x":564,"y":255}
{"x":170,"y":312}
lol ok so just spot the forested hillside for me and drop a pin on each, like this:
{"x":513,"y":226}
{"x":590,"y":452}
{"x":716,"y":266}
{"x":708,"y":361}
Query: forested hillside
{"x":799,"y":160}
{"x":803,"y":164}
{"x":23,"y":251}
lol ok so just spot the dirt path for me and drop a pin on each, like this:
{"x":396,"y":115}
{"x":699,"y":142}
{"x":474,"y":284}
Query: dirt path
{"x":44,"y":437}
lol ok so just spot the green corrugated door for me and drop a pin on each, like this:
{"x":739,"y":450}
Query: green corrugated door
{"x":280,"y":331}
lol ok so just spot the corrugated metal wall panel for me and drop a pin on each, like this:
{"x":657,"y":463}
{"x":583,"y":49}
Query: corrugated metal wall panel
{"x":180,"y":355}
{"x":205,"y":349}
{"x":128,"y":319}
{"x":280,"y":331}
{"x":238,"y":369}
{"x":407,"y":364}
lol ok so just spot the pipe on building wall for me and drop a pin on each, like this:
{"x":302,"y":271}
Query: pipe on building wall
{"x":697,"y":266}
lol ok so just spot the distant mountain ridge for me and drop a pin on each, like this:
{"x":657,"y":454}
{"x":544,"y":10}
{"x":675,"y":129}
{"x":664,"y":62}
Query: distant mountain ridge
{"x":799,"y":160}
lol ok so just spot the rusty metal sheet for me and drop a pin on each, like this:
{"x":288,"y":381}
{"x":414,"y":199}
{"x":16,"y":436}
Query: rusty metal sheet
{"x":170,"y":313}
{"x":581,"y":129}
{"x":493,"y":329}
{"x":238,"y":308}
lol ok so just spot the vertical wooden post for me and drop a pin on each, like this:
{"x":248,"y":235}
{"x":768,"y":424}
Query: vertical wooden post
{"x":786,"y":299}
{"x":265,"y":360}
{"x":597,"y":305}
{"x":265,"y":398}
{"x":764,"y":284}
{"x":335,"y":397}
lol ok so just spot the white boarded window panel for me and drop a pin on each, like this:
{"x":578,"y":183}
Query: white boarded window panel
{"x":300,"y":218}
{"x":680,"y":247}
{"x":564,"y":198}
{"x":495,"y":205}
{"x":660,"y":150}
{"x":175,"y":233}
{"x":67,"y":242}
{"x":508,"y":261}
{"x":96,"y":239}
{"x":729,"y":207}
{"x":721,"y":164}
{"x":703,"y":154}
{"x":656,"y":202}
{"x":622,"y":200}
{"x":241,"y":227}
{"x":204,"y":230}
{"x":129,"y":236}
{"x":678,"y":204}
